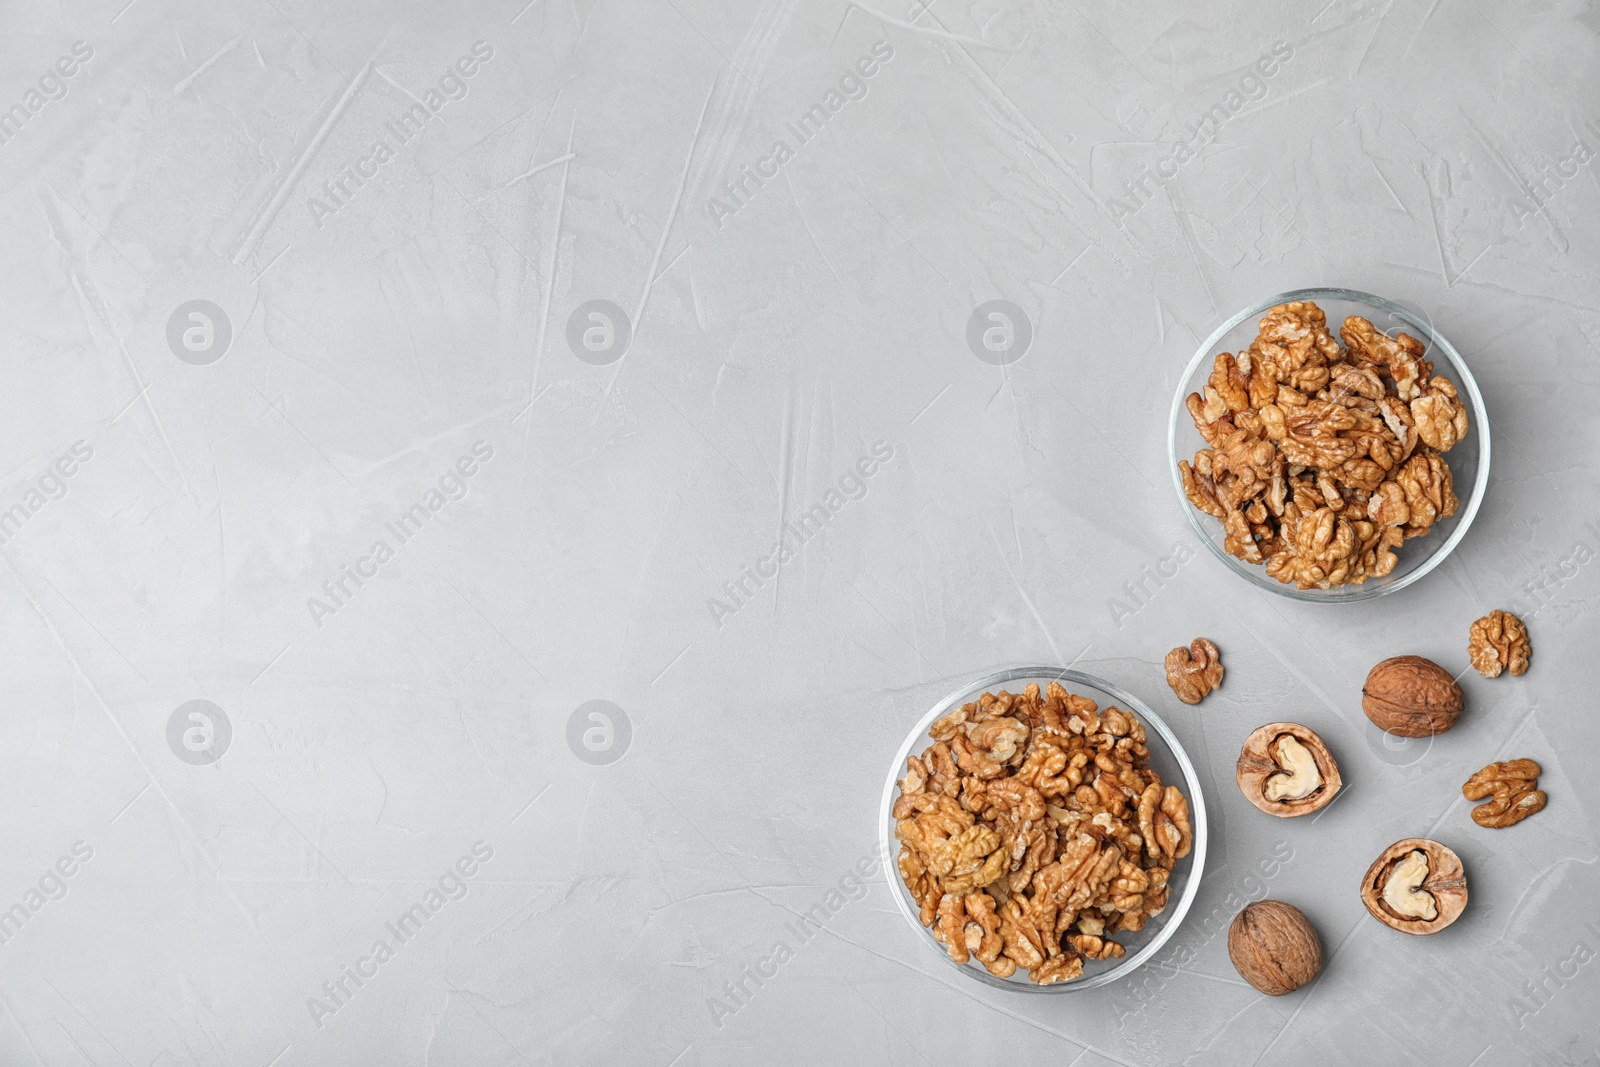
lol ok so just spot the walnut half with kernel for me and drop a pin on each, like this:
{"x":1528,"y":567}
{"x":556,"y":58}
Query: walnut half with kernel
{"x":1417,"y":887}
{"x":1285,"y":769}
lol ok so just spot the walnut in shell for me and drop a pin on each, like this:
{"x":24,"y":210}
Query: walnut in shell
{"x":1286,"y":770}
{"x":1512,"y":785}
{"x":1194,"y":671}
{"x":1417,"y":887}
{"x":1498,"y":642}
{"x":1409,"y":696}
{"x":1274,"y":947}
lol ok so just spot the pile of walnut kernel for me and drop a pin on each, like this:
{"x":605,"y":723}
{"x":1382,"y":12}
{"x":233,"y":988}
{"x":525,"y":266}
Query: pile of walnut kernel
{"x":1032,"y":829}
{"x":1322,"y":459}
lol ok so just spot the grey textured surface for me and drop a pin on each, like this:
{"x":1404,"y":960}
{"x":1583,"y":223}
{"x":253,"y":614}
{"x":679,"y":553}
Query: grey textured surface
{"x":1054,"y":155}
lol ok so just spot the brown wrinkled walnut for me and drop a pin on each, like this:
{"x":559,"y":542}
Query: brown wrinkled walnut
{"x":1194,"y":671}
{"x":1321,"y":460}
{"x":1033,"y":829}
{"x":1498,"y":642}
{"x":1416,"y":886}
{"x":1285,"y":770}
{"x":1274,"y":947}
{"x":1514,"y":787}
{"x":1410,"y":696}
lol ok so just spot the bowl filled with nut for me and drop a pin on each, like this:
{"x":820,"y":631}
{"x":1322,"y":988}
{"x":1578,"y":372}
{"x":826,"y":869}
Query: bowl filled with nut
{"x":1046,"y":830}
{"x":1329,"y":445}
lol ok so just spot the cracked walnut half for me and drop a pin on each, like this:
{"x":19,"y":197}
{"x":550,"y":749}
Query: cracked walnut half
{"x":1033,"y":829}
{"x":1321,"y":459}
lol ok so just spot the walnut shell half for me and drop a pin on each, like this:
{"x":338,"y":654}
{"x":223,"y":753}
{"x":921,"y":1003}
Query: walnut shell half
{"x":1409,"y":696}
{"x":1286,"y":770}
{"x":1417,"y":887}
{"x":1274,"y":947}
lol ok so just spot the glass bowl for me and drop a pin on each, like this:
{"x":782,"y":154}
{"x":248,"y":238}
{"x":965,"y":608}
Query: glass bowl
{"x":1468,"y":460}
{"x":1167,"y":759}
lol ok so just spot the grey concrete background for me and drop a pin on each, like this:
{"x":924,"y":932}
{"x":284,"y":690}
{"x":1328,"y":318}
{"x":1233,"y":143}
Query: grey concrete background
{"x":422,"y":739}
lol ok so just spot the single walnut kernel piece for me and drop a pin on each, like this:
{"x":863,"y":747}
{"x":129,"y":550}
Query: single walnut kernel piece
{"x":1274,"y":947}
{"x":1514,"y":787}
{"x":1300,"y":776}
{"x":1441,"y":418}
{"x":1286,"y":770}
{"x":1194,"y":671}
{"x":1409,"y":696}
{"x":1498,"y":642}
{"x":1417,"y":887}
{"x":1402,"y":893}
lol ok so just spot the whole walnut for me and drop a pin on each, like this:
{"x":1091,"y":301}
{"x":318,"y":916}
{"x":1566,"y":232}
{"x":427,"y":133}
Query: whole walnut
{"x":1409,"y":696}
{"x":1274,"y":947}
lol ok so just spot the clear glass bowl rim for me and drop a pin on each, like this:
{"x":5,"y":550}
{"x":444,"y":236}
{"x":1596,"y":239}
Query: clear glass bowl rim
{"x":1170,"y":918}
{"x":1257,"y":575}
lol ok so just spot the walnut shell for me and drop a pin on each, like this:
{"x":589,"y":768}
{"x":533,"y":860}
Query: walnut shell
{"x":1274,"y":947}
{"x":1409,"y":696}
{"x":1259,"y":763}
{"x":1445,"y":883}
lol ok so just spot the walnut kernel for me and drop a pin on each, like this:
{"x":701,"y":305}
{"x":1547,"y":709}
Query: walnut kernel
{"x":1514,"y":787}
{"x":1403,"y":893}
{"x":1194,"y":671}
{"x":1497,"y":642}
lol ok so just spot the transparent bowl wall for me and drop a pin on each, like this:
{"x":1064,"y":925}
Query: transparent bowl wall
{"x":1468,"y":460}
{"x":1167,"y":758}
